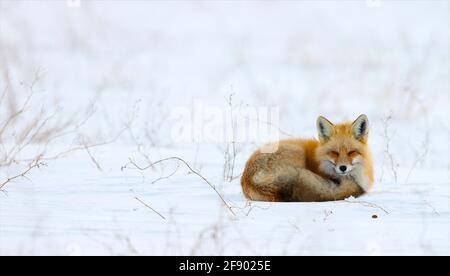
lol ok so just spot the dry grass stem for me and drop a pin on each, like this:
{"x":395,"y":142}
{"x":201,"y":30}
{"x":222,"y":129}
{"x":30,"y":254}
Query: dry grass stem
{"x":367,"y":204}
{"x":149,"y":207}
{"x":35,"y":164}
{"x":132,"y":162}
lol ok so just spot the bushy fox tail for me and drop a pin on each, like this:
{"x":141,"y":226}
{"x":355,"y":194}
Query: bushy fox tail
{"x":296,"y":184}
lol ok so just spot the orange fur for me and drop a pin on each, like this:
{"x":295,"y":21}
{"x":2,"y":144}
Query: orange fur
{"x":308,"y":169}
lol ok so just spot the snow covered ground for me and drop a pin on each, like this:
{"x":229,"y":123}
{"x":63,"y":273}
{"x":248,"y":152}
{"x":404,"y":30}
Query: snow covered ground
{"x":142,"y":64}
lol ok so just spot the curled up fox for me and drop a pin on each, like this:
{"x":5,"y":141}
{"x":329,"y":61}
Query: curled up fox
{"x":336,"y":166}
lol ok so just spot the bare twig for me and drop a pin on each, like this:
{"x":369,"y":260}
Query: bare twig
{"x":231,"y":150}
{"x":167,"y":177}
{"x":233,"y":142}
{"x":25,"y":122}
{"x":236,"y":177}
{"x":96,"y":163}
{"x":132,"y":162}
{"x":35,"y":164}
{"x":367,"y":204}
{"x":249,"y":207}
{"x":388,"y":153}
{"x":431,"y":206}
{"x":149,"y":207}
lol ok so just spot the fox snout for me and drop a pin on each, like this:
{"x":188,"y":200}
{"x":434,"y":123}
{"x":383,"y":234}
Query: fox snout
{"x":343,"y":169}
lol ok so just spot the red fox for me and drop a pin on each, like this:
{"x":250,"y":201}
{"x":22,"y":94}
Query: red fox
{"x":334,"y":167}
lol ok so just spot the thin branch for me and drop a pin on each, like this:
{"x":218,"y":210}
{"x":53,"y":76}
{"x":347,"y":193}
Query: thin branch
{"x":232,"y":162}
{"x":249,"y":207}
{"x":388,"y":153}
{"x":236,"y":177}
{"x":96,"y":163}
{"x":149,"y":207}
{"x":191,"y":169}
{"x":167,"y":177}
{"x":367,"y":204}
{"x":35,"y":164}
{"x":431,"y":206}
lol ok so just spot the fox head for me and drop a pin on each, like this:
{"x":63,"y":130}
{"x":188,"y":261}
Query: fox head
{"x":343,"y":148}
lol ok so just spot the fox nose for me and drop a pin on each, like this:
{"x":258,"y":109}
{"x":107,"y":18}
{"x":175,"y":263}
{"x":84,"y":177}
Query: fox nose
{"x":343,"y":168}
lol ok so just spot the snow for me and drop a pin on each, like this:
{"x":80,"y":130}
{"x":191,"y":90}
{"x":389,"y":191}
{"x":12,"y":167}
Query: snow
{"x":141,"y":61}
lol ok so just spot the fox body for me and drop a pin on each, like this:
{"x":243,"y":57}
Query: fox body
{"x":336,"y":166}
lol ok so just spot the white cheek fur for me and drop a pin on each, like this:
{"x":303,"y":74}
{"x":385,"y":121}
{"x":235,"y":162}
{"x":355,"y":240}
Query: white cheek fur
{"x":361,"y":178}
{"x":328,"y":167}
{"x":357,"y":161}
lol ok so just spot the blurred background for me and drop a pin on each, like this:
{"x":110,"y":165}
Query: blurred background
{"x":338,"y":59}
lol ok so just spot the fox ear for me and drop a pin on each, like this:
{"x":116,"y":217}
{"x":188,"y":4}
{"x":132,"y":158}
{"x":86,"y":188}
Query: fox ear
{"x":360,"y":128}
{"x":325,"y":129}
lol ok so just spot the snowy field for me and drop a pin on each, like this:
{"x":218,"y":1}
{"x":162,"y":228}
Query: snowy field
{"x":93,"y":92}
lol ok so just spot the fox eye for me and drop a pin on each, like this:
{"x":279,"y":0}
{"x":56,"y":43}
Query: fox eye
{"x":353,"y":152}
{"x":334,"y":153}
